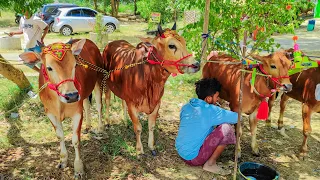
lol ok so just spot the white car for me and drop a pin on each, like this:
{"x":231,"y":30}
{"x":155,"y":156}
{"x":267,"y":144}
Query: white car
{"x":80,"y":19}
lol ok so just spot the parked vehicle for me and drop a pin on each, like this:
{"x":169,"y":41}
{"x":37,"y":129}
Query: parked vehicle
{"x":48,"y":11}
{"x":80,"y":19}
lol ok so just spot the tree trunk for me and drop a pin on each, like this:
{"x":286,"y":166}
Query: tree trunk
{"x":117,"y":7}
{"x":135,"y":7}
{"x":114,"y":7}
{"x":95,"y":4}
{"x":13,"y":74}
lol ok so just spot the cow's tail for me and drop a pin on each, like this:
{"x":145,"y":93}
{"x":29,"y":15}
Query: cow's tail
{"x":90,"y":98}
{"x":277,"y":94}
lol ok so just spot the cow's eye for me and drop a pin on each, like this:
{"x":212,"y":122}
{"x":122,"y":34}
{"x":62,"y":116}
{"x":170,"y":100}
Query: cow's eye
{"x":273,"y":67}
{"x":49,"y":68}
{"x":171,"y":46}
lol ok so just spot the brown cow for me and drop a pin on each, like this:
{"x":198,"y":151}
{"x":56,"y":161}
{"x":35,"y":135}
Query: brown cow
{"x":276,"y":65}
{"x":68,"y":86}
{"x":303,"y":90}
{"x":142,"y":86}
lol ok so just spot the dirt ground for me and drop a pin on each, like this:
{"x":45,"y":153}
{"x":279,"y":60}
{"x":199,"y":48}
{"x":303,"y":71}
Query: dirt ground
{"x":30,"y":150}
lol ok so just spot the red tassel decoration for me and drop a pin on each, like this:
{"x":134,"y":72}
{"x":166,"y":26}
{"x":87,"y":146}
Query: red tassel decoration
{"x":263,"y":110}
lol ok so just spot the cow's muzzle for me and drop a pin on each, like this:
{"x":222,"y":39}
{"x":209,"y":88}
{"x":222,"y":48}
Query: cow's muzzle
{"x":72,"y":97}
{"x":287,"y":87}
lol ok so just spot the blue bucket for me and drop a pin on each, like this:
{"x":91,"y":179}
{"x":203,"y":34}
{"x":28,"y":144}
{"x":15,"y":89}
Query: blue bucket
{"x":256,"y":171}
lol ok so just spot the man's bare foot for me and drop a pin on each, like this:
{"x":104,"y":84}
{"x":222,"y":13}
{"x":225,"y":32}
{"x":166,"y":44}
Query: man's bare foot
{"x":215,"y":169}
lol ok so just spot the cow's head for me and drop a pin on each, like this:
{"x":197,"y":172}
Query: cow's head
{"x":277,"y":65}
{"x":58,"y":68}
{"x":172,"y":51}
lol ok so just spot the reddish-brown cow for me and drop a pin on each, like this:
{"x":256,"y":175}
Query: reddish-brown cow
{"x":142,"y":86}
{"x":303,"y":90}
{"x":67,"y":88}
{"x":276,"y":65}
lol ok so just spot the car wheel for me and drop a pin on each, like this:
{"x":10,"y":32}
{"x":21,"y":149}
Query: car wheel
{"x":66,"y":30}
{"x":50,"y":27}
{"x":110,"y":28}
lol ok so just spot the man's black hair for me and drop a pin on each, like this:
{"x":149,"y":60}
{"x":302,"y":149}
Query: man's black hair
{"x":207,"y":87}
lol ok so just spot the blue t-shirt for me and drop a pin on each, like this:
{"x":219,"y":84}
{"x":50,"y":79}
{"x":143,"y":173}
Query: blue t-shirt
{"x":197,"y":119}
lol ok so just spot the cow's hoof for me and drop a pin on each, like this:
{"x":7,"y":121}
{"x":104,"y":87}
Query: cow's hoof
{"x":255,"y":152}
{"x":153,"y":152}
{"x":62,"y":165}
{"x":239,"y":154}
{"x":282,"y":131}
{"x":302,"y":156}
{"x":78,"y":175}
{"x":78,"y":169}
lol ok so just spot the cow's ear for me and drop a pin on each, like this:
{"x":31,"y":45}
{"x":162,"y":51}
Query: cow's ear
{"x":77,"y":47}
{"x":146,"y":40}
{"x":258,"y":57}
{"x":30,"y":57}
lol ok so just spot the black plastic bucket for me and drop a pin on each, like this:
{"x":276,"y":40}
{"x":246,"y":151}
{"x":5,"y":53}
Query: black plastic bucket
{"x":256,"y":171}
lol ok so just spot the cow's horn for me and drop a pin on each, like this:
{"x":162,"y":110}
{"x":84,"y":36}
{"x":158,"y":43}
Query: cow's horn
{"x":174,"y":27}
{"x":160,"y":31}
{"x":70,"y":41}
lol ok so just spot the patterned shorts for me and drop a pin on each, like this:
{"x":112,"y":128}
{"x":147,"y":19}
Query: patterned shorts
{"x":221,"y":135}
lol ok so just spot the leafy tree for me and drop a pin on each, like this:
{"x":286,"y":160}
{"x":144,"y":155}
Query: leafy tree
{"x":18,"y":5}
{"x":145,"y":7}
{"x":226,"y":26}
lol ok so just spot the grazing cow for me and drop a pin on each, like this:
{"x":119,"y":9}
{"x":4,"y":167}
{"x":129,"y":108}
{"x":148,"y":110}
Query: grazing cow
{"x":142,"y":86}
{"x":303,"y":90}
{"x":67,"y":87}
{"x":276,"y":65}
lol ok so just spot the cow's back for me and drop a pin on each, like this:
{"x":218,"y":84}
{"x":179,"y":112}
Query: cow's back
{"x":141,"y":85}
{"x":86,"y":76}
{"x":229,"y":77}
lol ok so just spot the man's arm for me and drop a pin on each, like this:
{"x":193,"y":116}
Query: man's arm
{"x":45,"y":31}
{"x":14,"y":33}
{"x":220,"y":116}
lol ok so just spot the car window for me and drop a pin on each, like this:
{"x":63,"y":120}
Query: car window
{"x":88,"y":13}
{"x":49,"y":9}
{"x":74,"y":13}
{"x":55,"y":11}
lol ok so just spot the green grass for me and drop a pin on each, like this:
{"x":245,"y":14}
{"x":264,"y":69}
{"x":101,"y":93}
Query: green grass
{"x":7,"y":19}
{"x":126,"y":8}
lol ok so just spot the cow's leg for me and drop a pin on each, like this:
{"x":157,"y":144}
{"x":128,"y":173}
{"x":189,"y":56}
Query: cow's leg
{"x":86,"y":106}
{"x":76,"y":128}
{"x":253,"y":129}
{"x":57,"y":124}
{"x":151,"y":124}
{"x":98,"y":98}
{"x":136,"y":127}
{"x":283,"y":103}
{"x":270,"y":104}
{"x":306,"y":115}
{"x":124,"y":112}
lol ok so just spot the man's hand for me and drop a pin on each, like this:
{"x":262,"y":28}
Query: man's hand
{"x":11,"y":34}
